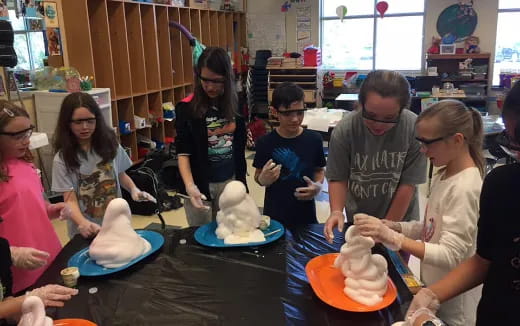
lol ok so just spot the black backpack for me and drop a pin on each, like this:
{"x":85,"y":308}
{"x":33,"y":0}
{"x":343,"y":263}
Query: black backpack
{"x":146,"y":179}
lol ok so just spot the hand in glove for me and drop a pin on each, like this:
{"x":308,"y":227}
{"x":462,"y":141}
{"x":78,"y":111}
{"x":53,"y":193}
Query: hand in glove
{"x":53,"y":295}
{"x":396,"y":226}
{"x":61,"y":211}
{"x":88,"y":229}
{"x":370,"y":226}
{"x":28,"y":258}
{"x":196,"y":197}
{"x":335,"y":218}
{"x":139,"y":195}
{"x":269,"y":174}
{"x":424,"y":299}
{"x":309,"y":192}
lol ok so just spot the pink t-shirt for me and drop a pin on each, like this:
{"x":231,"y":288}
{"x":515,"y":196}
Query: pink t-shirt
{"x":26,"y":224}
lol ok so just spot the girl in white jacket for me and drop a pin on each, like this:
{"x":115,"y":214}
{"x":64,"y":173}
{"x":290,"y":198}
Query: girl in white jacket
{"x":451,"y":136}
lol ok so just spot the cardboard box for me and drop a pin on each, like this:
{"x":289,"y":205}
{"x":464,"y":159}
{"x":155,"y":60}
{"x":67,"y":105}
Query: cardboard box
{"x":198,"y":4}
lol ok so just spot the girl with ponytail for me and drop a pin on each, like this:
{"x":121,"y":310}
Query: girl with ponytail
{"x":451,"y":136}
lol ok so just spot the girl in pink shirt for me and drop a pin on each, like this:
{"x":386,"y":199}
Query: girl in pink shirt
{"x":25,"y":213}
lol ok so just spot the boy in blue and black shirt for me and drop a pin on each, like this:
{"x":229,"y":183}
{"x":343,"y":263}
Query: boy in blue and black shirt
{"x":289,"y":161}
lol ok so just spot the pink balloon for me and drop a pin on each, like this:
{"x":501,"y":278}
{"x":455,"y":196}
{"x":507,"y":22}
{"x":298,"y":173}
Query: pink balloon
{"x":382,"y":7}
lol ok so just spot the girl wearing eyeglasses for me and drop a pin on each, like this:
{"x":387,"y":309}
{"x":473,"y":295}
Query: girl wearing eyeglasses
{"x":89,"y":165}
{"x":451,"y":137}
{"x":211,"y":136}
{"x":24,"y":213}
{"x":374,"y":161}
{"x":496,"y":263}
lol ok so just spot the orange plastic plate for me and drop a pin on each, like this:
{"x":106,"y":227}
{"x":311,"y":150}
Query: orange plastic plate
{"x":328,"y":283}
{"x":73,"y":322}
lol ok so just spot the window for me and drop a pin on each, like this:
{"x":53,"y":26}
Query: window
{"x":507,"y":51}
{"x":364,"y":41}
{"x":28,"y":41}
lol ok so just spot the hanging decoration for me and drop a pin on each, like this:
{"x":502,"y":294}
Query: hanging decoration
{"x":382,"y":7}
{"x":341,"y":11}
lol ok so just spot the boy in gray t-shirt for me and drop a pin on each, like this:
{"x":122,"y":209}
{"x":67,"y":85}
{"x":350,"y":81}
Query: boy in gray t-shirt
{"x":374,"y":161}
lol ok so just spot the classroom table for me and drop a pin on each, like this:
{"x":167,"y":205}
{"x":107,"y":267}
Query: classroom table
{"x":189,"y":284}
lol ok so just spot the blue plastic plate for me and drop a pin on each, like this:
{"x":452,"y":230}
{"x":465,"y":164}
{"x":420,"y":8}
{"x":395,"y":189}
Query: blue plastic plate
{"x":205,"y":235}
{"x":88,"y":267}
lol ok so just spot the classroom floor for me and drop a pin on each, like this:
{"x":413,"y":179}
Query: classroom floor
{"x":178,"y":217}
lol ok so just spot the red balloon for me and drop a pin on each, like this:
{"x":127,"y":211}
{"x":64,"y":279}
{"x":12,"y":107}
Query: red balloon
{"x":382,"y":7}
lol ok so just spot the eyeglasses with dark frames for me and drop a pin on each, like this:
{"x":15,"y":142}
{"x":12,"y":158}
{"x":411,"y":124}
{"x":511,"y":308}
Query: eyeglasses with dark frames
{"x":365,"y":115}
{"x":209,"y":80}
{"x":19,"y":135}
{"x":88,"y":121}
{"x":290,"y":112}
{"x":427,"y":142}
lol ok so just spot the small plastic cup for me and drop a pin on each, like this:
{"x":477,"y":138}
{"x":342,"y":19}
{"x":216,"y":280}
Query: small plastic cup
{"x":70,"y":276}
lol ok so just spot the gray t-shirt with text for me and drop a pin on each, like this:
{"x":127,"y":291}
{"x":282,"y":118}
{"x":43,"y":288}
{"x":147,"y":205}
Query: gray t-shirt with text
{"x":374,"y":166}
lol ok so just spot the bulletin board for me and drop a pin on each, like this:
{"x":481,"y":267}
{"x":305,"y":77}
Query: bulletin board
{"x":266,"y":32}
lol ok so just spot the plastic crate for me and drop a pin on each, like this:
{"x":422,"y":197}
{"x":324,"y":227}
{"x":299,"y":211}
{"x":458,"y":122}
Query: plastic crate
{"x":312,"y":57}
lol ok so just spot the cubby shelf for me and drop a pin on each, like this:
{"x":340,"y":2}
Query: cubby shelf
{"x":129,"y":47}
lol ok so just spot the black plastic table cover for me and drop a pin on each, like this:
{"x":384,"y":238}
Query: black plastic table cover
{"x":189,"y":284}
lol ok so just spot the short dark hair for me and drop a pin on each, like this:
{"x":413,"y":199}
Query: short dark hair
{"x":285,"y":94}
{"x":386,"y":83}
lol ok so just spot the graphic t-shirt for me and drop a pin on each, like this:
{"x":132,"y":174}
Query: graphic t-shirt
{"x":299,"y":157}
{"x":220,"y":146}
{"x":374,"y":166}
{"x":95,"y":184}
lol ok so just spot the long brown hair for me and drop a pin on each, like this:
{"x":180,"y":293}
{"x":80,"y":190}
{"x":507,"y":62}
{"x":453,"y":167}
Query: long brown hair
{"x":386,"y":83}
{"x":103,"y":140}
{"x":6,"y":116}
{"x":217,"y":60}
{"x":455,"y":117}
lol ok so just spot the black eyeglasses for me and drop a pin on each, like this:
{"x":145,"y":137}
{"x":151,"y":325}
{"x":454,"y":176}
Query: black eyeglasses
{"x":366,"y":115}
{"x":88,"y":121}
{"x":288,"y":113}
{"x":426,"y":142}
{"x":19,"y":135}
{"x":214,"y":81}
{"x":505,"y":140}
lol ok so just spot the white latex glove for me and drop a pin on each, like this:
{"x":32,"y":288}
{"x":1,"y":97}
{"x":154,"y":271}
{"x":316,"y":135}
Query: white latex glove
{"x":269,"y":174}
{"x":335,"y":218}
{"x":88,"y":229}
{"x":396,"y":226}
{"x":373,"y":227}
{"x":139,"y":195}
{"x":309,"y":192}
{"x":53,"y":295}
{"x":28,"y":258}
{"x":60,"y":211}
{"x":426,"y":299}
{"x":196,"y":197}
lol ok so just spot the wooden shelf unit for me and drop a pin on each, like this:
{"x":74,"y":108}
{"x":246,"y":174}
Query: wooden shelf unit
{"x":305,"y":77}
{"x":130,"y":48}
{"x":449,"y":63}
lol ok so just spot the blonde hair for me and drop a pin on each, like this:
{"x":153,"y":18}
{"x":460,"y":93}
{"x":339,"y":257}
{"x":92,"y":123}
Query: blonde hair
{"x":9,"y":111}
{"x":455,"y":117}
